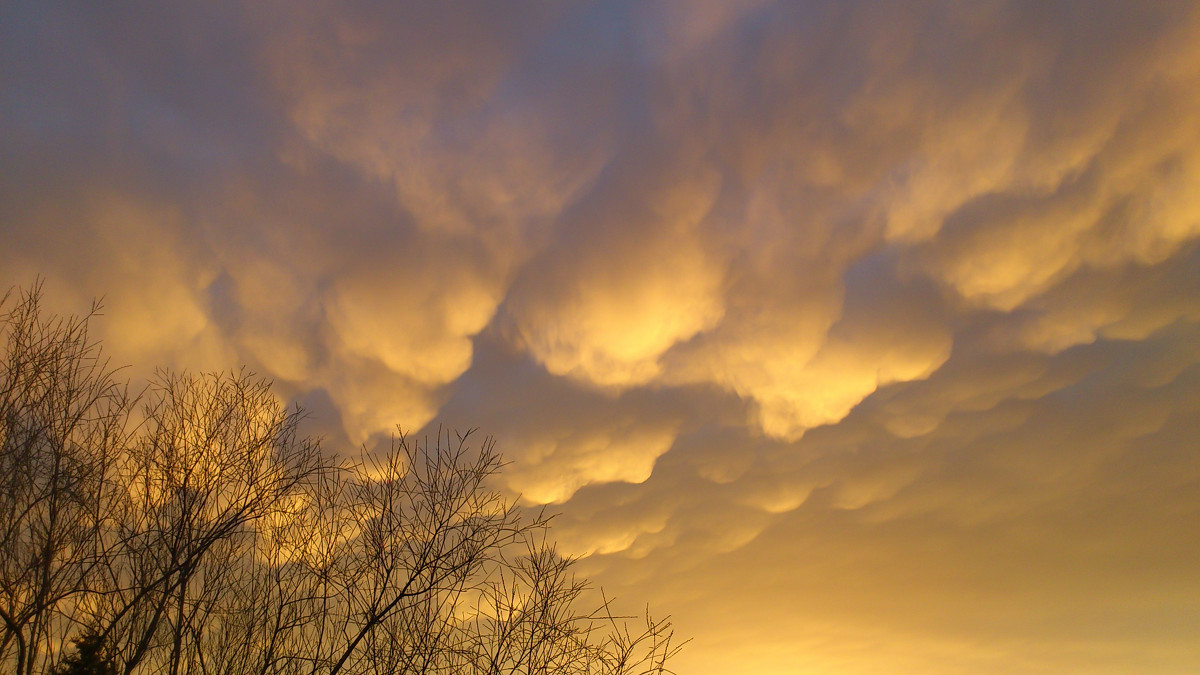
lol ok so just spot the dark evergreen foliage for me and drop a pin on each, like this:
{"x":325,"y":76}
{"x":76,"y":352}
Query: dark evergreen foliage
{"x":88,"y":658}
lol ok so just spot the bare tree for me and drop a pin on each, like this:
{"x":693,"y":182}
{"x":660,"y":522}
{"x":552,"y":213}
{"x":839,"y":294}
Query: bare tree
{"x":193,"y":529}
{"x":214,"y":455}
{"x":62,"y":417}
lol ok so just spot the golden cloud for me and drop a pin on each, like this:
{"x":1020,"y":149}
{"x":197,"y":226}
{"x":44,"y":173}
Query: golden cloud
{"x":860,"y":337}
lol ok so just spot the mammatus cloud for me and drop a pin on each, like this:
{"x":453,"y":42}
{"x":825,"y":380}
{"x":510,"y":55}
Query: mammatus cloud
{"x":627,"y":283}
{"x":860,"y":338}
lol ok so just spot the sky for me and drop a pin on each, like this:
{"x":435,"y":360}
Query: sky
{"x":858,"y":337}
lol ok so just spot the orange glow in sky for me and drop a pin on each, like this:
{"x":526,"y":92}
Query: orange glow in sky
{"x":859,"y":337}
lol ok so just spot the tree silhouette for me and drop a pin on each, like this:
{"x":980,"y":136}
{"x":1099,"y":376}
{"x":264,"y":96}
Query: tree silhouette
{"x":193,"y":529}
{"x":88,"y":658}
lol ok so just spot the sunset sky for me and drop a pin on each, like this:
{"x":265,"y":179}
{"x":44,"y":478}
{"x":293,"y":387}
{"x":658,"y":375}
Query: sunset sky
{"x":859,"y":337}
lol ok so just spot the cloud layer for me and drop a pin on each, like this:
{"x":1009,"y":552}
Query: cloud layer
{"x":859,"y":337}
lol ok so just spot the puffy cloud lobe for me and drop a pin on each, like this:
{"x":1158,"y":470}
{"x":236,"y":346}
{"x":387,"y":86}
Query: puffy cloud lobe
{"x":562,"y":434}
{"x":887,"y":333}
{"x":437,"y":106}
{"x":978,"y":520}
{"x":626,"y":284}
{"x":1118,"y":202}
